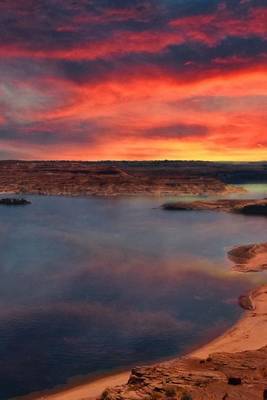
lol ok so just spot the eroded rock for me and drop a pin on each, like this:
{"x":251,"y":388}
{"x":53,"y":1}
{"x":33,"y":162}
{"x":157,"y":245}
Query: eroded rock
{"x":249,"y":258}
{"x":223,"y":376}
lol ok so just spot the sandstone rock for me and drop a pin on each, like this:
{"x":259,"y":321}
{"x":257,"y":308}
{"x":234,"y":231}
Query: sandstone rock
{"x":247,"y":207}
{"x":223,"y":376}
{"x":249,"y":258}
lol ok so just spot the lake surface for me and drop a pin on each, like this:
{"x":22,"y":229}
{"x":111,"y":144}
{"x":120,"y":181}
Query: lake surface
{"x":90,"y":285}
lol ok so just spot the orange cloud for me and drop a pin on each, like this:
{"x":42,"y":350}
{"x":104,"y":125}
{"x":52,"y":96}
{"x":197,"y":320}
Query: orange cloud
{"x":134,"y":82}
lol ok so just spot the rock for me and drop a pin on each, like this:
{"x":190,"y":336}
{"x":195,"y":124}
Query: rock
{"x":234,"y":381}
{"x":216,"y":205}
{"x":14,"y":202}
{"x":255,"y":209}
{"x":178,"y":207}
{"x":249,"y":258}
{"x":245,"y":302}
{"x":247,"y":207}
{"x":236,"y":376}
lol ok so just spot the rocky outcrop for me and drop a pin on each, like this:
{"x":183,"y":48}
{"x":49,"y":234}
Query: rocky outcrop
{"x":249,"y":258}
{"x":246,"y":207}
{"x":216,"y":205}
{"x":255,"y":209}
{"x":14,"y":202}
{"x":221,"y":376}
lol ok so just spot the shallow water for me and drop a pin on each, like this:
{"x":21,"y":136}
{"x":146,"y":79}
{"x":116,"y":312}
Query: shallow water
{"x":89,"y":285}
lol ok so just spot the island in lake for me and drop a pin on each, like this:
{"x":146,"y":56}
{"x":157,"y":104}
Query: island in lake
{"x":245,"y":207}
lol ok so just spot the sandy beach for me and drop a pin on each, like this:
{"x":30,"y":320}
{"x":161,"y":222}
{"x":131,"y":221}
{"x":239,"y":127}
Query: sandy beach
{"x":84,"y":391}
{"x":249,"y":333}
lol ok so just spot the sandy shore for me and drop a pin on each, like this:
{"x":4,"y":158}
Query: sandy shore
{"x":84,"y":391}
{"x":249,"y":333}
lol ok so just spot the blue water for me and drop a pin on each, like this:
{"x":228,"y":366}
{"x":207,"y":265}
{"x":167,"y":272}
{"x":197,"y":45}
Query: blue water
{"x":89,"y":285}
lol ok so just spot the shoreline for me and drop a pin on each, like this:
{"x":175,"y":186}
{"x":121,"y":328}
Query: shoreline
{"x":250,"y":331}
{"x":75,"y":391}
{"x":163,"y":194}
{"x":247,"y":334}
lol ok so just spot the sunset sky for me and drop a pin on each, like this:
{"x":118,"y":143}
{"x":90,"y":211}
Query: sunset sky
{"x":133,"y":79}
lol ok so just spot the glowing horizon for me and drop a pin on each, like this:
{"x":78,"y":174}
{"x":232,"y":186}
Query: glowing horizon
{"x":133,"y":80}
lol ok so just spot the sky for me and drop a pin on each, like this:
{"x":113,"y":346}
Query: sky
{"x":133,"y":79}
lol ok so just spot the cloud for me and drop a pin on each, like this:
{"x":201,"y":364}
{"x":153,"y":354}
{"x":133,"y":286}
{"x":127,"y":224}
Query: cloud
{"x":177,"y":131}
{"x":213,"y":103}
{"x":96,"y":73}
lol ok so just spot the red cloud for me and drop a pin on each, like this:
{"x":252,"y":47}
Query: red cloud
{"x":121,"y":42}
{"x":124,"y":94}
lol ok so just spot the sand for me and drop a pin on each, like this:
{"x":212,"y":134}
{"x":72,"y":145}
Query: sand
{"x":84,"y":391}
{"x":249,"y":333}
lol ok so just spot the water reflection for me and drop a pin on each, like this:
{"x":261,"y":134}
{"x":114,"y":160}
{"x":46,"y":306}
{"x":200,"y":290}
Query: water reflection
{"x":254,"y":190}
{"x":89,"y":285}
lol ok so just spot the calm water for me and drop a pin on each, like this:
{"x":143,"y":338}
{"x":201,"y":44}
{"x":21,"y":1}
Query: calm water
{"x":90,"y":285}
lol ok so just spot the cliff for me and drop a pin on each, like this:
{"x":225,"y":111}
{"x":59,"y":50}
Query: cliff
{"x":115,"y":178}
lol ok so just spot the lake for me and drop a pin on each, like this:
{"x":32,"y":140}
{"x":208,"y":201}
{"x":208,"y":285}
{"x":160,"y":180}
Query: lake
{"x":91,"y":285}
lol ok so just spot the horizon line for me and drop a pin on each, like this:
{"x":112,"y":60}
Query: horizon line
{"x":135,"y":161}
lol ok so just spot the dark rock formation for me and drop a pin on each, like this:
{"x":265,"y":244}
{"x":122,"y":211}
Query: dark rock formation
{"x":255,"y":209}
{"x":216,"y":205}
{"x":14,"y":202}
{"x":246,"y":207}
{"x":246,"y":302}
